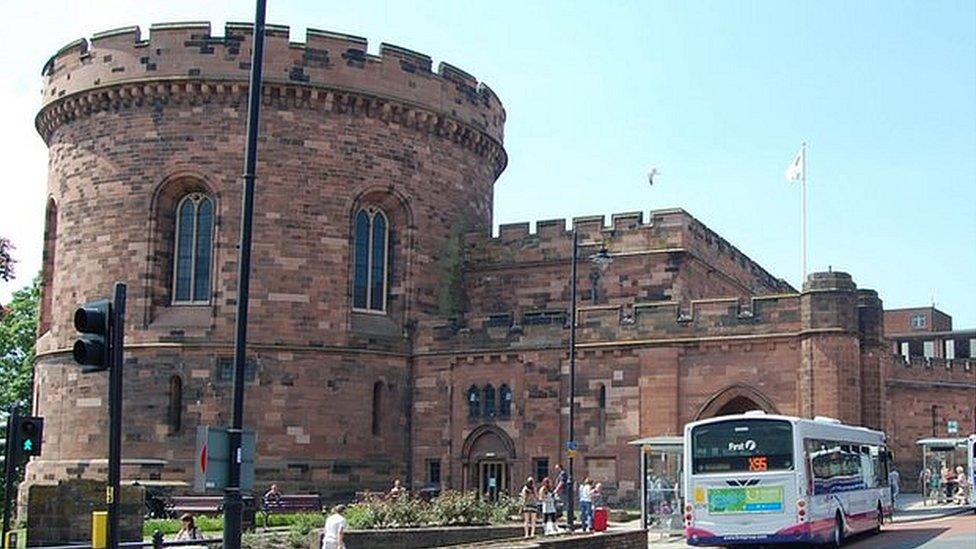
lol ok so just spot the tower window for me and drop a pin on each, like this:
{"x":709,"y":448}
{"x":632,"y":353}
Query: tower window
{"x":505,"y":402}
{"x":377,"y":405}
{"x":370,"y":262}
{"x":474,"y":402}
{"x":194,"y":250}
{"x":489,"y":401}
{"x":174,"y":412}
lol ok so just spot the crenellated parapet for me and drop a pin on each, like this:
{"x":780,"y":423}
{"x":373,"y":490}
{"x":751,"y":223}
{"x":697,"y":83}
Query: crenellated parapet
{"x":627,"y":234}
{"x":328,"y":71}
{"x":651,"y":323}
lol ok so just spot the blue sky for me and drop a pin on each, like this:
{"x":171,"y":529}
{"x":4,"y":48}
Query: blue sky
{"x":717,"y":95}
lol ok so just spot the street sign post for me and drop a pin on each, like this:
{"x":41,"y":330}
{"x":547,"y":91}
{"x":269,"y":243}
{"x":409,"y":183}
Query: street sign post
{"x":211,"y":465}
{"x":953,"y":427}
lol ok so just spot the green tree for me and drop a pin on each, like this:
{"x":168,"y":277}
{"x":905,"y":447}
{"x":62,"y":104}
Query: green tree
{"x":18,"y":331}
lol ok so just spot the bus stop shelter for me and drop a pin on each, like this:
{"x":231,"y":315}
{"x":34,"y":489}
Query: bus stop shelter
{"x":660,"y":473}
{"x":939,"y":452}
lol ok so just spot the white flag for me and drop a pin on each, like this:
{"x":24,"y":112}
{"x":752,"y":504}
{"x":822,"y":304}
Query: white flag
{"x":795,"y":171}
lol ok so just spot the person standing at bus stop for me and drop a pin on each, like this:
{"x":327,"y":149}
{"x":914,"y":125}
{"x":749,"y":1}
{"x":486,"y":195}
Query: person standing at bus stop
{"x":894,"y":480}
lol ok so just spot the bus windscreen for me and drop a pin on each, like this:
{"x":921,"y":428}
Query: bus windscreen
{"x":742,"y":446}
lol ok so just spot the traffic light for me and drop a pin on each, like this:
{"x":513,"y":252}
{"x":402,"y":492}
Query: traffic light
{"x":91,"y":350}
{"x":29,"y":432}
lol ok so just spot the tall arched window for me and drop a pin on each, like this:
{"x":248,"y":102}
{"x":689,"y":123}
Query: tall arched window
{"x":47,"y":270}
{"x":377,"y":406}
{"x":194,"y":249}
{"x":370,"y":262}
{"x":174,"y":412}
{"x":489,"y":401}
{"x":474,"y":402}
{"x":505,"y":401}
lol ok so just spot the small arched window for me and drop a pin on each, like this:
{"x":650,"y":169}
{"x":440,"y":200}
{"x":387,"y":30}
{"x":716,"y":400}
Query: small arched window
{"x":602,"y":404}
{"x":194,"y":250}
{"x":474,"y":402}
{"x":505,"y":404}
{"x":377,"y":406}
{"x":489,"y":401}
{"x":174,"y":412}
{"x":370,"y":262}
{"x":49,"y":264}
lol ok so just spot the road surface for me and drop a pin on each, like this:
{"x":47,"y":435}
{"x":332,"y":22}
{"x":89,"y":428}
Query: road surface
{"x":956,"y":531}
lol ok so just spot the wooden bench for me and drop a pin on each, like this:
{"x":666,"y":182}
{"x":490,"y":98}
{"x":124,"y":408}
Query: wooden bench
{"x":293,"y":503}
{"x":197,"y":505}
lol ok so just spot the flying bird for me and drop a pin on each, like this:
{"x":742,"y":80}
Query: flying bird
{"x":651,"y":174}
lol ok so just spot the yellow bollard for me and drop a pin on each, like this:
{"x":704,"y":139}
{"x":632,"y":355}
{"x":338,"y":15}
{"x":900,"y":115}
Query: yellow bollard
{"x":99,"y":532}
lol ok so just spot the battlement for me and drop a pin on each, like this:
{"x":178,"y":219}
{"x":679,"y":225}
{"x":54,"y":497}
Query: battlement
{"x":627,"y":233}
{"x":189,"y":51}
{"x":770,"y":315}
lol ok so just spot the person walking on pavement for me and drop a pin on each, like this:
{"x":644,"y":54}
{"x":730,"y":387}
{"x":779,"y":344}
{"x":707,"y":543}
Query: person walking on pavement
{"x":586,"y":504}
{"x":529,"y":508}
{"x":894,"y":480}
{"x":335,"y":529}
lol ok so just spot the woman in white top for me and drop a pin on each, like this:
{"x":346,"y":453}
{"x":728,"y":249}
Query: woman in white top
{"x":335,"y":528}
{"x":548,"y":498}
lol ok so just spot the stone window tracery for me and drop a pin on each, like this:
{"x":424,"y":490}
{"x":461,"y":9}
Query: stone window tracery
{"x":489,"y":401}
{"x":194,"y":250}
{"x":370,"y":261}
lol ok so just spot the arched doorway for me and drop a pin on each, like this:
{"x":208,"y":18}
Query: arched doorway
{"x":487,"y":455}
{"x":736,"y":399}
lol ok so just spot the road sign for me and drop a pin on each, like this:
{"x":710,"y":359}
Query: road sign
{"x":573,"y":453}
{"x":211,"y":465}
{"x":953,"y":426}
{"x":572,"y":445}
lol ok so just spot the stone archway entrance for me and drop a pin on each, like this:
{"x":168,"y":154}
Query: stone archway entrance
{"x":487,"y":456}
{"x":736,"y":399}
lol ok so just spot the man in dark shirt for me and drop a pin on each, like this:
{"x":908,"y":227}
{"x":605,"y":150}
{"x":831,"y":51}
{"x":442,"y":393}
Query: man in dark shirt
{"x":562,"y":489}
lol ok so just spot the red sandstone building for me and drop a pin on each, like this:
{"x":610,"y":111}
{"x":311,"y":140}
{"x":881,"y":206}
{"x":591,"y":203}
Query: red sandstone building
{"x":391,"y":334}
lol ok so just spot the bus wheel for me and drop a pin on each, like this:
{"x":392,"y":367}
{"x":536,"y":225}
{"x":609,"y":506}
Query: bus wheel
{"x":838,"y":537}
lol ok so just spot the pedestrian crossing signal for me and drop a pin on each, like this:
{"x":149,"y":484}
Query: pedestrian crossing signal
{"x":29,"y":433}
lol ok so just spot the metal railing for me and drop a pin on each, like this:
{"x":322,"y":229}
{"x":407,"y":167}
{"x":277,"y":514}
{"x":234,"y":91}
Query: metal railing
{"x":156,"y":542}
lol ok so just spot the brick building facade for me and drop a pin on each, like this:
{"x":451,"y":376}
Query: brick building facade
{"x":391,"y":335}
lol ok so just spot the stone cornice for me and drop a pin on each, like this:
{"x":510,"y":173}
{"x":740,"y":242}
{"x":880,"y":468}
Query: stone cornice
{"x":328,"y":99}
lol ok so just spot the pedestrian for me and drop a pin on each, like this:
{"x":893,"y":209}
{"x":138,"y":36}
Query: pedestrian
{"x":596,"y":496}
{"x":398,"y":490}
{"x":962,"y":486}
{"x":561,"y":488}
{"x":188,"y":529}
{"x":548,"y":498}
{"x":335,"y":529}
{"x":272,"y":498}
{"x":924,"y":477}
{"x":948,"y":484}
{"x":529,"y":509}
{"x":586,"y":504}
{"x":894,"y":481}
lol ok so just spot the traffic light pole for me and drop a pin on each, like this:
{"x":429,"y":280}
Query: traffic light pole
{"x":233,"y":503}
{"x":116,"y":343}
{"x":10,"y":467}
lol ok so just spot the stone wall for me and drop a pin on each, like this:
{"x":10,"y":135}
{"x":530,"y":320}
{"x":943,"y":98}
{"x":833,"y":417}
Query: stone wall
{"x":416,"y":538}
{"x":61,"y":513}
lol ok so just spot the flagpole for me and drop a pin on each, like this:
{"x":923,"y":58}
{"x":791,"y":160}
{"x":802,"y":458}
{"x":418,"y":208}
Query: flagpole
{"x":803,"y":210}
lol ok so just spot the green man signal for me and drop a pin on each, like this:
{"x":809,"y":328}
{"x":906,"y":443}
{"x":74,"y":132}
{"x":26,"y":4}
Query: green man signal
{"x":28,"y":433}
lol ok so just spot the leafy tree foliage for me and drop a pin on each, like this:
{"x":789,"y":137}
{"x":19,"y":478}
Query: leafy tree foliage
{"x":18,"y":330}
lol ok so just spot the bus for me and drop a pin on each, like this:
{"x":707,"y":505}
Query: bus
{"x":971,"y":469}
{"x":760,"y":478}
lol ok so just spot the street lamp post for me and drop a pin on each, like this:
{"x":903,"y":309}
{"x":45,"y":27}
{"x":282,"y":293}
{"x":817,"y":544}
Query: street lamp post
{"x":602,"y":259}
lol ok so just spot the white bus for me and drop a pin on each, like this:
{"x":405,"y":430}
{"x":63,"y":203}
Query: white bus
{"x":758,"y":478}
{"x":971,"y":469}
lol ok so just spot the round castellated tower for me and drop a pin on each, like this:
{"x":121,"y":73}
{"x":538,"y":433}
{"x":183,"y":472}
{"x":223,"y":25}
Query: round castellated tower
{"x":366,"y":166}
